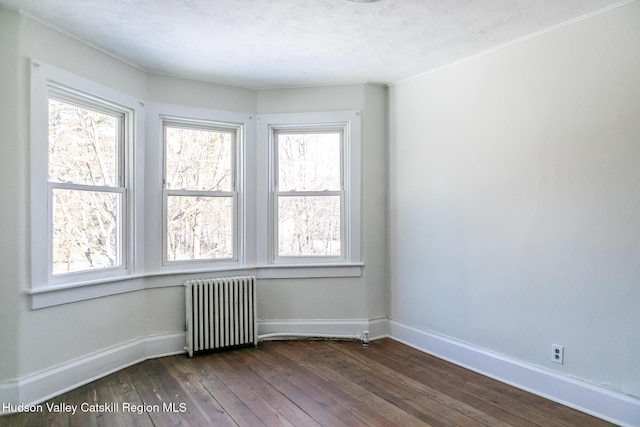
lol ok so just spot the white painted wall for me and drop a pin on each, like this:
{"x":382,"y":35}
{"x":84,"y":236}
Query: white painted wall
{"x":42,"y":339}
{"x":171,"y":90}
{"x":374,"y":200}
{"x":13,"y":217}
{"x":515,"y":200}
{"x":361,"y":298}
{"x":34,"y":342}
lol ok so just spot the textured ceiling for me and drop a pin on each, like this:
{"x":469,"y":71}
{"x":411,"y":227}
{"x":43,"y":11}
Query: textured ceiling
{"x":280,"y":43}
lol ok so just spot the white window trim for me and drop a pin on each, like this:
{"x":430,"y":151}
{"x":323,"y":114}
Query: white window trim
{"x":45,"y":79}
{"x":235,"y":193}
{"x":275,"y":193}
{"x":120,"y":187}
{"x":350,"y":122}
{"x":144,"y":267}
{"x":63,"y":294}
{"x":243,"y":124}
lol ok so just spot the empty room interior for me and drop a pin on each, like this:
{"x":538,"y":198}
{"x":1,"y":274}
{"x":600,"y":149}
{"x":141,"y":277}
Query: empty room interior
{"x":459,"y":178}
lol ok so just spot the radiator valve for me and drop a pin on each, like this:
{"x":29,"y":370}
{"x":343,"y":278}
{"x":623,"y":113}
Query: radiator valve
{"x":365,"y":339}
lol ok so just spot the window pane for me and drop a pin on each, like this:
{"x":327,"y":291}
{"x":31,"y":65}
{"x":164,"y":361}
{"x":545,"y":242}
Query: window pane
{"x":85,"y":230}
{"x":83,"y":145}
{"x":198,"y":159}
{"x":309,"y":161}
{"x":309,"y":226}
{"x":199,"y":228}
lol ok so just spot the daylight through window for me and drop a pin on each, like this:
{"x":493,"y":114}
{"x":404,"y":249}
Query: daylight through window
{"x":200,"y":195}
{"x":122,"y":189}
{"x":86,"y":184}
{"x":309,"y":194}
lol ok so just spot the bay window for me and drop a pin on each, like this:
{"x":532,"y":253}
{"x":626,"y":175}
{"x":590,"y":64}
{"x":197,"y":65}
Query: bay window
{"x":122,"y":190}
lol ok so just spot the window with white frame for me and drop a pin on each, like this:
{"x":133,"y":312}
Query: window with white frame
{"x":86,"y":182}
{"x":82,"y":180}
{"x":308,"y":193}
{"x":204,"y":192}
{"x":314,"y":187}
{"x":200,"y":190}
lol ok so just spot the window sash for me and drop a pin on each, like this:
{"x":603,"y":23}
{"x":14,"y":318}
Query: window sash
{"x":233,"y":196}
{"x":276,"y":194}
{"x":122,"y":116}
{"x":308,"y":131}
{"x":120,"y":227}
{"x":233,"y":193}
{"x":198,"y":125}
{"x":277,"y":250}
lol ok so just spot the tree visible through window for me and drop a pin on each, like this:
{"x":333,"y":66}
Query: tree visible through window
{"x":309,"y":193}
{"x":86,"y":185}
{"x":200,"y":193}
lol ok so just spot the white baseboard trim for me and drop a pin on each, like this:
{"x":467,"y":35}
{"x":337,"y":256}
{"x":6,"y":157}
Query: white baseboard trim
{"x":603,"y":403}
{"x":379,"y":328}
{"x":35,"y":388}
{"x":41,"y":386}
{"x":606,"y":404}
{"x":303,"y":327}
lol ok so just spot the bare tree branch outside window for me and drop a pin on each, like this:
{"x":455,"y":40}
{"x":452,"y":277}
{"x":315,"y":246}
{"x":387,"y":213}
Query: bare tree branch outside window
{"x":86,"y":199}
{"x":309,"y":184}
{"x":200,"y":203}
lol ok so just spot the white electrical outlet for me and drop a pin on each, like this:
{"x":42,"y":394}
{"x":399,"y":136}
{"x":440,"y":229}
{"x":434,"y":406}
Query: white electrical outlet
{"x":557,"y":353}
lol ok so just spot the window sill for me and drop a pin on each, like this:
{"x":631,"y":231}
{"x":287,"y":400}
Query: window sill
{"x":63,"y":294}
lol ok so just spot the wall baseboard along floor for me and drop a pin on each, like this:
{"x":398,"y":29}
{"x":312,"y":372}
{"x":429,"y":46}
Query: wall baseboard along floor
{"x":41,"y":386}
{"x":377,"y":327}
{"x":606,"y":404}
{"x":600,"y":402}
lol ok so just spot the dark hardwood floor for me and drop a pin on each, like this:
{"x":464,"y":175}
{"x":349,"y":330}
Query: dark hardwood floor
{"x":302,"y":383}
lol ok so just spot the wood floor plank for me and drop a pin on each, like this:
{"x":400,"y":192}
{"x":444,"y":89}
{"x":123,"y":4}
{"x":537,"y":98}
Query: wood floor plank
{"x":172,"y":395}
{"x":543,"y":411}
{"x":23,"y":419}
{"x":270,"y":394}
{"x":152,"y":395}
{"x":498,"y":403}
{"x":458,"y":389}
{"x":342,"y":399}
{"x":236,"y":382}
{"x":107,"y":415}
{"x":198,"y":397}
{"x":228,"y":400}
{"x":51,"y":419}
{"x":310,"y":399}
{"x":124,"y":392}
{"x":309,"y":384}
{"x":413,"y":399}
{"x":388,"y":388}
{"x":77,"y":397}
{"x":441,"y":395}
{"x":365,"y":401}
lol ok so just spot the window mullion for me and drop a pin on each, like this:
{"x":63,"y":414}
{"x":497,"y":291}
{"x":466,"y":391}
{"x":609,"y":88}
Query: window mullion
{"x":308,"y":193}
{"x":198,"y":193}
{"x":84,"y":187}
